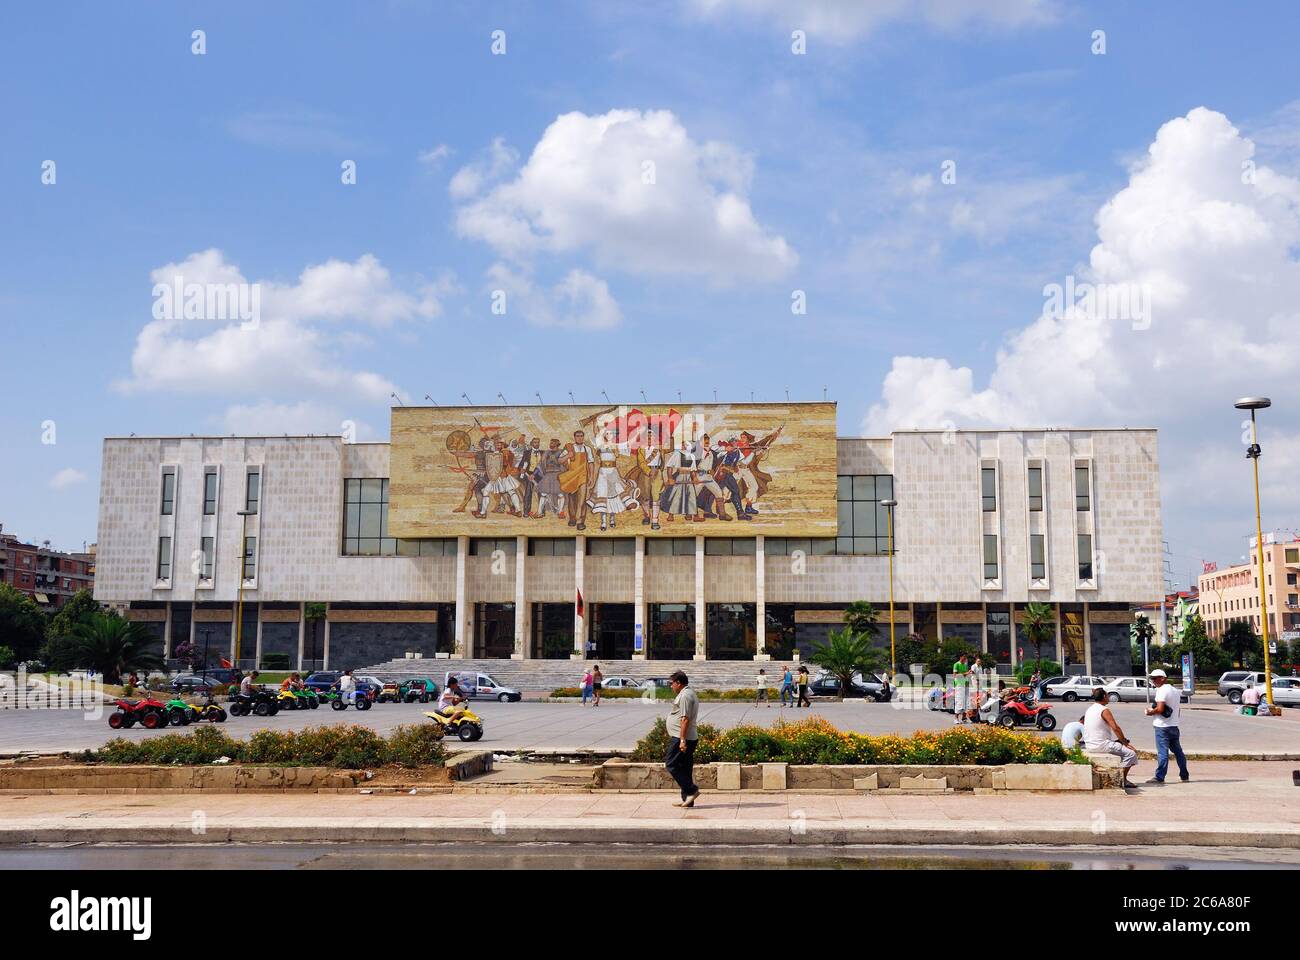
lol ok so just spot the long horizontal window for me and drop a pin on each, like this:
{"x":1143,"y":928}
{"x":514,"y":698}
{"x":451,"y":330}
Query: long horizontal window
{"x":670,"y":547}
{"x":790,"y":546}
{"x":365,"y":525}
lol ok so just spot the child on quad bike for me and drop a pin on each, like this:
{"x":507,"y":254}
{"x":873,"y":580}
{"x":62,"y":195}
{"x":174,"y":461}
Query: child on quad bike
{"x":450,"y":699}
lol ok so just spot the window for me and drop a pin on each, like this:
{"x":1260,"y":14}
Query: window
{"x":1081,"y":497}
{"x":486,"y":546}
{"x":1085,"y":556}
{"x":729,"y":547}
{"x":210,"y":491}
{"x":164,"y":558}
{"x":670,"y":547}
{"x":989,"y":488}
{"x":168,"y":492}
{"x":783,"y":547}
{"x":611,"y":547}
{"x":990,"y":556}
{"x":207,"y":543}
{"x":863,"y":522}
{"x":1037,"y":557}
{"x":250,"y":558}
{"x":1035,"y":489}
{"x":438,"y":547}
{"x":1290,"y":579}
{"x":252,"y":490}
{"x":551,"y":547}
{"x":365,"y":519}
{"x":1293,"y":555}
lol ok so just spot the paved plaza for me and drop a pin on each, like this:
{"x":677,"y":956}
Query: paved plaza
{"x":1211,"y":729}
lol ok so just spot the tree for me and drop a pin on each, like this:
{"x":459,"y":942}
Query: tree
{"x":1242,"y":643}
{"x":846,"y":653}
{"x":113,"y":646}
{"x":22,"y":624}
{"x":78,"y":608}
{"x":914,"y":648}
{"x":861,"y":617}
{"x":1039,"y":621}
{"x":1208,"y":657}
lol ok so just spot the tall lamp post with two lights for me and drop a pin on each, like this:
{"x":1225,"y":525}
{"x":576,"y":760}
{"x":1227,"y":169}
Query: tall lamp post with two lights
{"x":1252,"y":454}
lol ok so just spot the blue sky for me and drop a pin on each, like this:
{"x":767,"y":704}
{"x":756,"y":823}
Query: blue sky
{"x":775,"y":172}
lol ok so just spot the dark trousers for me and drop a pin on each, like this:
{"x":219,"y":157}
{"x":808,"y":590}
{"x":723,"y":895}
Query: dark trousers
{"x":681,"y":764}
{"x":803,"y":700}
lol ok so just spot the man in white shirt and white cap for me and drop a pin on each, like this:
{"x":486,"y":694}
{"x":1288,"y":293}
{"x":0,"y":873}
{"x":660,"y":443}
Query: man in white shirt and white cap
{"x":1165,"y":708}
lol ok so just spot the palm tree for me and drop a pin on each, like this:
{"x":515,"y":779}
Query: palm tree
{"x":846,"y":653}
{"x":113,"y":646}
{"x":860,"y":617}
{"x":1039,"y":621}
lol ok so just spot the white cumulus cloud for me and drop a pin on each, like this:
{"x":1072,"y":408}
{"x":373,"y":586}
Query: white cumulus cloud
{"x":632,"y":190}
{"x":67,"y":477}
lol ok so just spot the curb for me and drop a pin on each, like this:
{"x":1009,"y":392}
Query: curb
{"x":686,"y":832}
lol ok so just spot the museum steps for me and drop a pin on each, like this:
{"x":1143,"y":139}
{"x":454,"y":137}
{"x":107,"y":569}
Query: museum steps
{"x":532,"y":676}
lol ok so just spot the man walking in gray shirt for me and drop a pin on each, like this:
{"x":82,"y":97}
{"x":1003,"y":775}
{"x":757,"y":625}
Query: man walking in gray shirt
{"x":683,"y":736}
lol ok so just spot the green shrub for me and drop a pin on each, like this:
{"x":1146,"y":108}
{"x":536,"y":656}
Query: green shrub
{"x":275,"y":661}
{"x":416,"y":745}
{"x":1046,"y":668}
{"x":815,"y":741}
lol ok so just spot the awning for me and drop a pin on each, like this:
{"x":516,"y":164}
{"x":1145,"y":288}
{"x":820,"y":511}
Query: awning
{"x":42,"y":598}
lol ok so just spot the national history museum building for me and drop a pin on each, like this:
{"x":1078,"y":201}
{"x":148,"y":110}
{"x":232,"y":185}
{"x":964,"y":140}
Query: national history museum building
{"x":716,"y":532}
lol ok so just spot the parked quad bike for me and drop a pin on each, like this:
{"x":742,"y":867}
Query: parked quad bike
{"x":1024,"y":711}
{"x":337,"y":701}
{"x":179,"y":713}
{"x":466,"y":724}
{"x":149,"y":712}
{"x":261,"y":703}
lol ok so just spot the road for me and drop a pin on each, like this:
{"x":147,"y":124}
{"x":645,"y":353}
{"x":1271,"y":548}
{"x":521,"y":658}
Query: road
{"x":616,"y":726}
{"x":561,"y":856}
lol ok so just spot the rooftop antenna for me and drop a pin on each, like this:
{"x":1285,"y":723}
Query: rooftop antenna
{"x":397,"y":398}
{"x":571,"y":400}
{"x":466,"y":398}
{"x":606,"y":396}
{"x":431,"y":400}
{"x":715,"y":394}
{"x":679,"y":396}
{"x":751,"y":396}
{"x":503,"y":399}
{"x":643,"y":396}
{"x":538,"y":395}
{"x":787,"y":394}
{"x":823,"y":391}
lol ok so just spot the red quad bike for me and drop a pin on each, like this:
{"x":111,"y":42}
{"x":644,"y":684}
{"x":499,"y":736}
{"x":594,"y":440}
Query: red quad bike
{"x":149,"y":712}
{"x":1023,"y":710}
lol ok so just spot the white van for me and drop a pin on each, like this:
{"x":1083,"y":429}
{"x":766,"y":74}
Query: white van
{"x":481,"y":686}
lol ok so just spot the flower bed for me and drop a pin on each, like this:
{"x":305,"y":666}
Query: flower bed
{"x":815,"y":741}
{"x":663,"y":693}
{"x":343,"y":747}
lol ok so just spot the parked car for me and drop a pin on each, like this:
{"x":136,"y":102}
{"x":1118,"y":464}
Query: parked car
{"x":1134,"y":689}
{"x":369,"y":686}
{"x":322,"y":680}
{"x":1071,"y":689}
{"x":659,"y":683}
{"x":194,"y":683}
{"x":825,"y":685}
{"x":482,"y":686}
{"x":1233,"y":682}
{"x":1286,"y":691}
{"x":418,"y":688}
{"x":621,"y":683}
{"x":1040,"y":688}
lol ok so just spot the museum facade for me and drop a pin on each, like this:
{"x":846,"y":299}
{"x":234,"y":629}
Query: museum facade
{"x":717,"y":532}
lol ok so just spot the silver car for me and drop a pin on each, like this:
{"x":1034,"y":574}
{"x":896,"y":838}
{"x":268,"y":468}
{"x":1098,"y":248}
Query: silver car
{"x":1286,"y":692}
{"x":1074,"y":688}
{"x":1135,"y":689}
{"x":1233,"y":682}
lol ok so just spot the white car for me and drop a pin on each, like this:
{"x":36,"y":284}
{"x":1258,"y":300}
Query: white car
{"x":1286,"y":692}
{"x":1135,"y":690}
{"x":620,"y":683}
{"x":1075,"y":688}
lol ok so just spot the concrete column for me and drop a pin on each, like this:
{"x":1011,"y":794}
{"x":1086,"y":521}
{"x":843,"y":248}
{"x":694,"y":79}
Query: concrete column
{"x":302,"y":631}
{"x":326,"y":654}
{"x":523,"y":610}
{"x":167,"y":632}
{"x":460,"y":635}
{"x":1087,"y":639}
{"x":760,"y":606}
{"x":638,"y":602}
{"x":579,"y":587}
{"x":257,"y":649}
{"x":234,"y":625}
{"x":1057,"y":607}
{"x":701,"y":611}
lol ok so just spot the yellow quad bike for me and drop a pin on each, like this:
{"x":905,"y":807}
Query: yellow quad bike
{"x":465,"y":724}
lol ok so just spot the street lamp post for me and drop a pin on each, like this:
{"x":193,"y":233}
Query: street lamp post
{"x":243,"y":548}
{"x":1252,"y":453}
{"x":889,"y":506}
